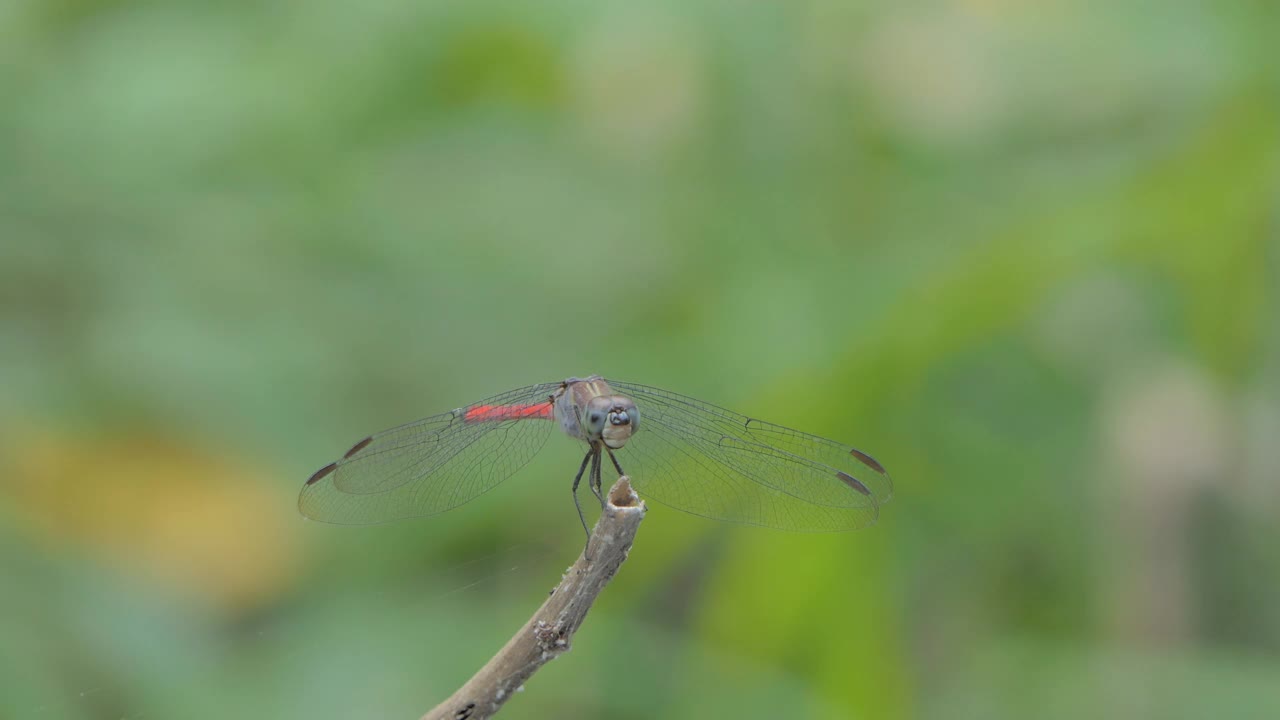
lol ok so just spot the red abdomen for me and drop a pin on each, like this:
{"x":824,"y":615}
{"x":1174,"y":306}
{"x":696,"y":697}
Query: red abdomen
{"x":497,"y":413}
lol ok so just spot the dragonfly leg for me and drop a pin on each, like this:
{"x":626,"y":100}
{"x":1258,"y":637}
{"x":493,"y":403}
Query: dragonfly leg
{"x":593,"y":482}
{"x":616,"y":466}
{"x":576,"y":479}
{"x":595,"y":477}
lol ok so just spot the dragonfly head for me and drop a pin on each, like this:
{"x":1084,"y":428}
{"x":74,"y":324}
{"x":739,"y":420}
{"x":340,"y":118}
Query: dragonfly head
{"x":611,"y":418}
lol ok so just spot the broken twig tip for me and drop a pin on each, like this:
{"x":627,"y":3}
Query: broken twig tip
{"x":622,"y":495}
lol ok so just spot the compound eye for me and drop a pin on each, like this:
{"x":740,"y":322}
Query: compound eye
{"x":596,"y":420}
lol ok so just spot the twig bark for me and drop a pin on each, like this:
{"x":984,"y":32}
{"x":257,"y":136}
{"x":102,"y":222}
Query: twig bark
{"x":549,"y":632}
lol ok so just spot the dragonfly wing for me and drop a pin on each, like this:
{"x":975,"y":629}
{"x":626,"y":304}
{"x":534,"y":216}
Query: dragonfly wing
{"x":716,"y":463}
{"x":431,"y":465}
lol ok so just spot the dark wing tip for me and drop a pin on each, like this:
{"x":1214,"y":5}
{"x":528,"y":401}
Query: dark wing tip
{"x":868,"y":461}
{"x":321,"y":473}
{"x":853,"y":482}
{"x":357,"y":448}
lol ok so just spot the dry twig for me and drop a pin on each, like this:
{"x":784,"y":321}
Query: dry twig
{"x":548,"y":633}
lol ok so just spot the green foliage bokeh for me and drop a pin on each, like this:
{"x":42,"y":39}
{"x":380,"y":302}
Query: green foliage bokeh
{"x":1023,"y":253}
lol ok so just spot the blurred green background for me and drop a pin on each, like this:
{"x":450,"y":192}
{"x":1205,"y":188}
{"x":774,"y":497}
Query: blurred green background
{"x":1024,"y":253}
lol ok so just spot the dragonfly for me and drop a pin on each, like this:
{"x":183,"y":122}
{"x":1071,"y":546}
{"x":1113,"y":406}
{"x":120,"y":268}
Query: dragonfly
{"x":679,"y":451}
